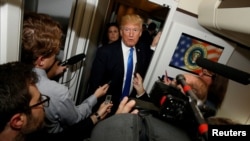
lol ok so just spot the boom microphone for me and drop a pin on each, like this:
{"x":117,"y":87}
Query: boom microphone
{"x":186,"y":88}
{"x":202,"y":125}
{"x":223,"y":70}
{"x":73,"y":60}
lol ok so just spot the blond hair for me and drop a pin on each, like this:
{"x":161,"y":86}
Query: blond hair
{"x":131,"y":18}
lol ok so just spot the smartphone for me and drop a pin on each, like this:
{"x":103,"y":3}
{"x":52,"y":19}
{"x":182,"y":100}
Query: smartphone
{"x":136,"y":69}
{"x":108,"y":99}
{"x":109,"y":82}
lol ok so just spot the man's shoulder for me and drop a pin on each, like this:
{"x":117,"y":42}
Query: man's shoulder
{"x":117,"y":43}
{"x":126,"y":127}
{"x":110,"y":48}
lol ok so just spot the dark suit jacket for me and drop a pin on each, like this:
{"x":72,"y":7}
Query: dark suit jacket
{"x":108,"y":66}
{"x":78,"y":132}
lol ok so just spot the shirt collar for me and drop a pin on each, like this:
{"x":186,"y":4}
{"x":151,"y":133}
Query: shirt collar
{"x":125,"y":48}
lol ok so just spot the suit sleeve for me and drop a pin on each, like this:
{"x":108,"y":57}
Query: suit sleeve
{"x":78,"y":132}
{"x":97,"y":71}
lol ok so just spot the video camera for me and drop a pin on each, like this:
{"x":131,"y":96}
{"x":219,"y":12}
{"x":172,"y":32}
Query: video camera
{"x":176,"y":107}
{"x":171,"y":101}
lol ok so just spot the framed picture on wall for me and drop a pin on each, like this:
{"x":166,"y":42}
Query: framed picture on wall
{"x":184,"y":44}
{"x":189,"y":48}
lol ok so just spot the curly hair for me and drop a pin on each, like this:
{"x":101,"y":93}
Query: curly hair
{"x":41,"y":36}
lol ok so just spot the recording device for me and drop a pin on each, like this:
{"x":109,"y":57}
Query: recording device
{"x":178,"y":107}
{"x":223,"y":70}
{"x":136,"y":69}
{"x":186,"y":88}
{"x":175,"y":105}
{"x":199,"y":119}
{"x":171,"y":101}
{"x":109,"y":82}
{"x":108,"y":99}
{"x":73,"y":60}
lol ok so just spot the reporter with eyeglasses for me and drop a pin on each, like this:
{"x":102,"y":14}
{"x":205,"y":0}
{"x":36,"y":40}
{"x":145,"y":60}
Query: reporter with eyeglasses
{"x":21,"y":104}
{"x":22,"y":107}
{"x":217,"y":89}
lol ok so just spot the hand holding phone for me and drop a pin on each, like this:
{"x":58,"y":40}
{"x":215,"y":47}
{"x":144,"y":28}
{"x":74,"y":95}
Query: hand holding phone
{"x":109,"y":82}
{"x":136,"y":69}
{"x":108,"y":99}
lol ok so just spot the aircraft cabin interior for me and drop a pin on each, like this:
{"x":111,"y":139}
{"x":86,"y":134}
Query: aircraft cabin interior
{"x":224,"y":25}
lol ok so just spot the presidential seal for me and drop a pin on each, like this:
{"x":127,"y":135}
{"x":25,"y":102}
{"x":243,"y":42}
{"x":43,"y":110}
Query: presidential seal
{"x":192,"y":53}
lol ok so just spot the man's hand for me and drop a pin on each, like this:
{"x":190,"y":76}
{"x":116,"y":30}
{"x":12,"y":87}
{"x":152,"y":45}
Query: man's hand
{"x":166,"y":80}
{"x":126,"y":106}
{"x":138,"y":84}
{"x":56,"y":70}
{"x":101,"y":91}
{"x":102,"y":112}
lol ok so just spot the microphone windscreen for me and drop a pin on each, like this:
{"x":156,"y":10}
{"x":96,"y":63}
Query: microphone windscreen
{"x":180,"y":79}
{"x":76,"y":58}
{"x":223,"y":70}
{"x":73,"y":60}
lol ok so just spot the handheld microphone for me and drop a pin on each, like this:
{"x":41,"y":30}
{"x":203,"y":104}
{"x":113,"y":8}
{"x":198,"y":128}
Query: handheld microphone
{"x":73,"y":60}
{"x":186,"y":88}
{"x":223,"y":70}
{"x":202,"y":125}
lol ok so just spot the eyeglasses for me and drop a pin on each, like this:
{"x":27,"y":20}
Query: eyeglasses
{"x":208,"y":73}
{"x":44,"y":100}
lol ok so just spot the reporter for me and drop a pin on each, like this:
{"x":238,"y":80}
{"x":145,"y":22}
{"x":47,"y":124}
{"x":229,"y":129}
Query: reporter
{"x":41,"y":42}
{"x":146,"y":125}
{"x":198,"y":86}
{"x":78,"y":131}
{"x":83,"y":129}
{"x":21,"y":104}
{"x":124,"y":126}
{"x":217,"y":88}
{"x":22,"y":108}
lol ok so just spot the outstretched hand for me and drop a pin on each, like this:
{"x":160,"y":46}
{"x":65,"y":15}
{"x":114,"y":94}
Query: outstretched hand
{"x":101,"y":91}
{"x":156,"y":39}
{"x":102,"y":112}
{"x":138,"y":84}
{"x":166,"y":80}
{"x":104,"y":109}
{"x":126,"y":106}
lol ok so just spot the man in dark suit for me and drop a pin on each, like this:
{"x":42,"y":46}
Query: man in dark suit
{"x":110,"y":63}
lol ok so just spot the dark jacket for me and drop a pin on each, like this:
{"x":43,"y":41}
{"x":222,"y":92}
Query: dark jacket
{"x":108,"y":66}
{"x":76,"y":132}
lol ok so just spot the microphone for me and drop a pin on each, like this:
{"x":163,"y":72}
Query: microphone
{"x":186,"y":88}
{"x":73,"y":60}
{"x":202,"y":125}
{"x":223,"y":70}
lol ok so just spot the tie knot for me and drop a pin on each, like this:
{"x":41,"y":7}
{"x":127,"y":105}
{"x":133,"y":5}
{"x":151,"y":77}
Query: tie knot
{"x":131,"y":49}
